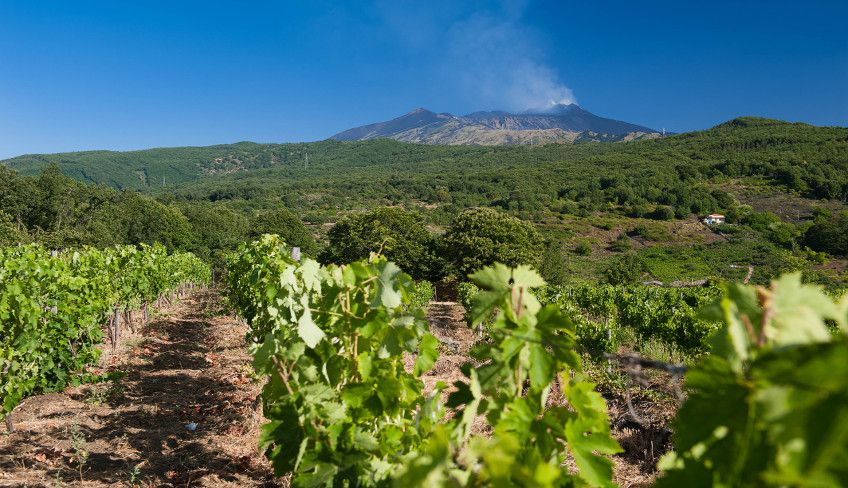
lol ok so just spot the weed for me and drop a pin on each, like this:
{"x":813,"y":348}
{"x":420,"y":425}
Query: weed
{"x":135,"y":476}
{"x":79,"y":445}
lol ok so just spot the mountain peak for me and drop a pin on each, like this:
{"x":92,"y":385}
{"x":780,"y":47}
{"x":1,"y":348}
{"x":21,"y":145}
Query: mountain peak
{"x":556,"y":109}
{"x":563,"y":123}
{"x":419,"y":110}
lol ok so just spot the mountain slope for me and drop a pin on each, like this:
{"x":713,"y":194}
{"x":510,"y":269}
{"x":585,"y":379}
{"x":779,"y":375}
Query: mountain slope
{"x":743,"y":146}
{"x":558,"y":124}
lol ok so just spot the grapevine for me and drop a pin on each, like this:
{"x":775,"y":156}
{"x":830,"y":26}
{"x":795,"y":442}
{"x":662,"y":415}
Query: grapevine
{"x":53,"y":306}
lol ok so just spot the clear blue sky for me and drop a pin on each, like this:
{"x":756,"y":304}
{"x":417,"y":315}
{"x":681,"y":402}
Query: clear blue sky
{"x":78,"y":75}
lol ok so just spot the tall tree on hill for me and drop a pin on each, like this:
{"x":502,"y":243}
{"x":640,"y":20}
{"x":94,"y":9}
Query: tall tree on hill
{"x":479,"y":237}
{"x":399,"y":235}
{"x":286,"y":225}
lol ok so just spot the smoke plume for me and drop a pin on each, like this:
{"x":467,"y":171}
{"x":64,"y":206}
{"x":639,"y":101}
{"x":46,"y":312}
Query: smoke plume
{"x":486,"y":55}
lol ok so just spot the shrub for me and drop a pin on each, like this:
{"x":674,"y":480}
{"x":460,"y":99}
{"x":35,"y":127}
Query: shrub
{"x":621,"y":244}
{"x":652,"y":232}
{"x":583,"y":248}
{"x":10,"y":233}
{"x":663,"y":212}
{"x":830,"y":236}
{"x":625,"y":269}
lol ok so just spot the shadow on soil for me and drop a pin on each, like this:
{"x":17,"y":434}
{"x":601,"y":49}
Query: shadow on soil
{"x":149,"y":415}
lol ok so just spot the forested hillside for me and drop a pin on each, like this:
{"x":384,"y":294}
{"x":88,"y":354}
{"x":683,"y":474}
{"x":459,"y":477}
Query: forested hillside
{"x":782,"y":186}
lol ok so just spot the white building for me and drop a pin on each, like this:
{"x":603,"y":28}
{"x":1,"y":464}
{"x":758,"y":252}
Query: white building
{"x":713,"y":219}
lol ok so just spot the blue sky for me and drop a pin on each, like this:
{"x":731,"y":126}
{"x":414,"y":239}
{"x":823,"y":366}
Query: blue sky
{"x":78,"y":75}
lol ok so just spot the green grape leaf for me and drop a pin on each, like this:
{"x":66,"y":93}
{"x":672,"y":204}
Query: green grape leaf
{"x":308,"y":330}
{"x":363,"y":365}
{"x":541,"y":367}
{"x":495,"y":278}
{"x":799,"y":311}
{"x":428,"y":353}
{"x":527,"y":277}
{"x":389,"y":297}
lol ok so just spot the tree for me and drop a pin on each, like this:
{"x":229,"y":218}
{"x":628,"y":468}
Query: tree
{"x":216,"y":229}
{"x":663,"y":212}
{"x":480,"y":237}
{"x":553,"y":266}
{"x":286,"y":225}
{"x":830,"y":236}
{"x":399,"y":235}
{"x":625,"y":270}
{"x":10,"y":232}
{"x":148,"y":221}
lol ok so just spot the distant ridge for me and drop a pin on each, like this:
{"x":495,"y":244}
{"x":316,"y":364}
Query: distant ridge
{"x":561,"y":123}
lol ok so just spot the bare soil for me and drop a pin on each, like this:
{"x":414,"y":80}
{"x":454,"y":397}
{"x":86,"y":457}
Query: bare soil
{"x":187,"y":366}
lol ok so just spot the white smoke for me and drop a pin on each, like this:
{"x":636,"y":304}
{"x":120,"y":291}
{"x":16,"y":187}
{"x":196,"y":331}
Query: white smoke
{"x":488,"y":56}
{"x":499,"y":62}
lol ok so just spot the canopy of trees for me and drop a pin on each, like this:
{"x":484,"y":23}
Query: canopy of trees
{"x":286,"y":225}
{"x":479,"y":237}
{"x":399,"y":235}
{"x":830,"y":236}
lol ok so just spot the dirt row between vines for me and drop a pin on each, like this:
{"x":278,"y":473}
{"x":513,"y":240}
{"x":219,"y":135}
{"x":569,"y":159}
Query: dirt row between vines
{"x":188,"y":368}
{"x":185,"y":413}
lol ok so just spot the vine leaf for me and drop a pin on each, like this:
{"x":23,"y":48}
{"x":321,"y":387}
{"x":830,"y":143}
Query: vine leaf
{"x":308,"y":331}
{"x":799,"y":311}
{"x":428,"y":353}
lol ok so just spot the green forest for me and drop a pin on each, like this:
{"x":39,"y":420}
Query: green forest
{"x":591,"y":207}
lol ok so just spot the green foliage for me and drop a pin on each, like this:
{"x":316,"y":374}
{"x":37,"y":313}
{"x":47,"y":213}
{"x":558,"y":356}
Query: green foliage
{"x":583,"y":248}
{"x":768,"y":406}
{"x":663,"y":212}
{"x":621,"y":244}
{"x":829,"y":235}
{"x":341,"y":406}
{"x":530,"y":352}
{"x":652,"y":232}
{"x":288,"y":226}
{"x":421,"y":295}
{"x":52,"y":306}
{"x":479,"y":237}
{"x":10,"y":231}
{"x":624,"y":270}
{"x":606,"y":315}
{"x":553,"y":266}
{"x":59,"y":212}
{"x":393,"y":232}
{"x":344,"y":410}
{"x":215,"y":230}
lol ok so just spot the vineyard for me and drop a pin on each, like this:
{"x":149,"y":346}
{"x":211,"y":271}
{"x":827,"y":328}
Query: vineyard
{"x":607,"y":317}
{"x":55,"y":306}
{"x":767,"y":406}
{"x":341,"y":353}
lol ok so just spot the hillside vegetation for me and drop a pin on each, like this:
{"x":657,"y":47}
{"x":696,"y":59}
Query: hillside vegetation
{"x":592,"y":203}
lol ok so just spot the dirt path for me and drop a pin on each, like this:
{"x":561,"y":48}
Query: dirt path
{"x":188,"y":366}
